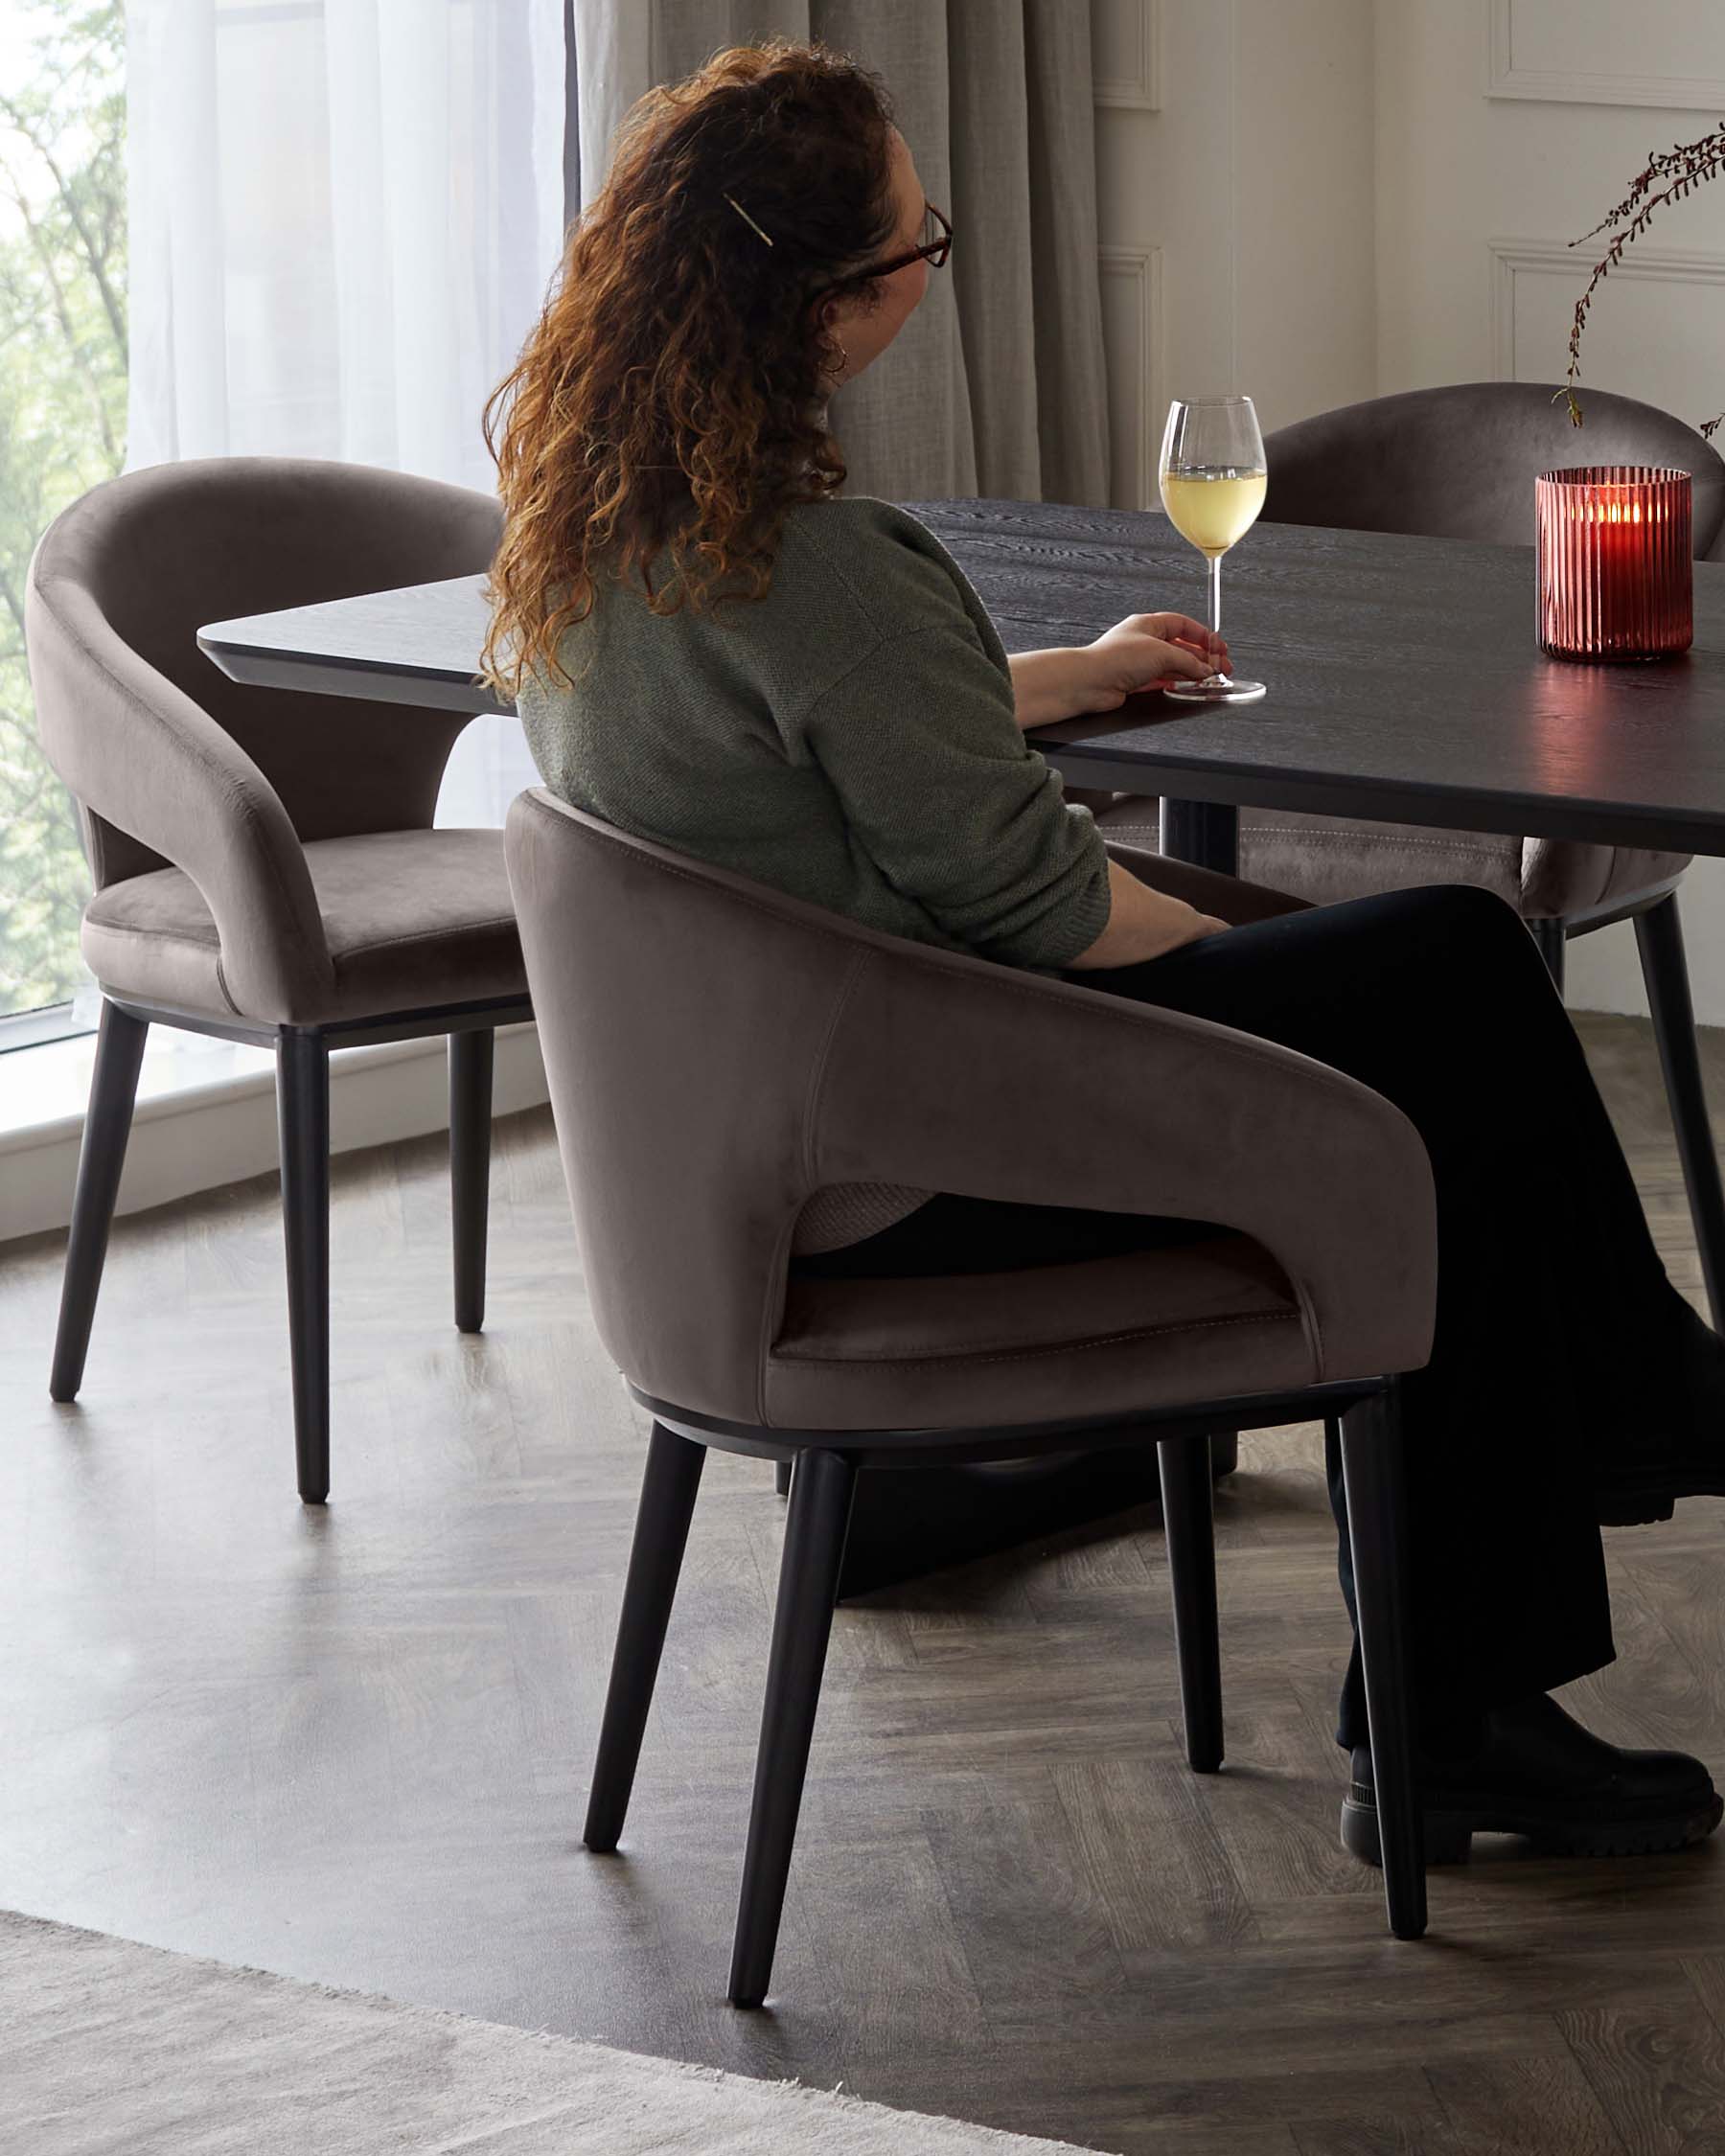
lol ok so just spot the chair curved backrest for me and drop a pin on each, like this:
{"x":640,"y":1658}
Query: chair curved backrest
{"x":1460,"y":462}
{"x":173,"y":762}
{"x":148,"y":558}
{"x":716,"y":1052}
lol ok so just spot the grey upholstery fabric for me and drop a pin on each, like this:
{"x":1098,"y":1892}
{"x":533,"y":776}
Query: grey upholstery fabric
{"x":411,"y":919}
{"x":996,"y":384}
{"x":1326,"y":859}
{"x":1460,"y":462}
{"x":202,"y":798}
{"x":1457,"y":462}
{"x":716,"y":1052}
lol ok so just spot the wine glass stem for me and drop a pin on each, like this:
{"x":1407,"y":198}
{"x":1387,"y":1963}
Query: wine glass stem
{"x":1215,"y":605}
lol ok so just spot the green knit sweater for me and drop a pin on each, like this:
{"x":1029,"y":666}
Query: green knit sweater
{"x":849,"y":739}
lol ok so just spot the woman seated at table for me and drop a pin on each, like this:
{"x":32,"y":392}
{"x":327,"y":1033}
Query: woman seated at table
{"x":846,"y":726}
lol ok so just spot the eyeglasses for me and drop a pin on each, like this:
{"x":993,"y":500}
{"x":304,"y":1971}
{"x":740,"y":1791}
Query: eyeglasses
{"x":937,"y":245}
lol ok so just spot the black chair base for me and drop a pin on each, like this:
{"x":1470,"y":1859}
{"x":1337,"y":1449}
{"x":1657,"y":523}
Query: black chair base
{"x":120,"y":1040}
{"x":823,"y":1492}
{"x":1658,"y":939}
{"x":302,"y":1113}
{"x":1659,"y":942}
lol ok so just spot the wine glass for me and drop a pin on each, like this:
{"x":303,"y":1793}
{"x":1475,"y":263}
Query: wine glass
{"x":1212,"y":486}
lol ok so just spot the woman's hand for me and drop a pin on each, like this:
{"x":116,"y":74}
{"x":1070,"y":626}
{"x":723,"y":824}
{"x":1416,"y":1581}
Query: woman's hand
{"x":1144,"y":923}
{"x":1142,"y":651}
{"x":1149,"y":651}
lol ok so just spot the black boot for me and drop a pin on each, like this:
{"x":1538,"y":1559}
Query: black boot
{"x":1539,"y":1773}
{"x":1688,"y":1458}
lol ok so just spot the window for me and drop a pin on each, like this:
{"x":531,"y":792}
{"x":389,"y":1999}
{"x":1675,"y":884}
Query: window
{"x":332,"y":227}
{"x":62,"y":429}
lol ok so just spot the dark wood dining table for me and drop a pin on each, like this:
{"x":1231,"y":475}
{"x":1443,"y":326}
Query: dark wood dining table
{"x":1405,"y":684}
{"x":1405,"y":681}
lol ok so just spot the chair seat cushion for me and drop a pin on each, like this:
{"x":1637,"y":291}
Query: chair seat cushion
{"x":1563,"y":878}
{"x":413,"y":919}
{"x":1327,"y":858}
{"x":1197,"y":1319}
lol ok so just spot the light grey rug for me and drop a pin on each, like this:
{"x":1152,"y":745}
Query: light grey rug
{"x":109,"y":2047}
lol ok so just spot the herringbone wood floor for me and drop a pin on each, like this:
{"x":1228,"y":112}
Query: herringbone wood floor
{"x":352,"y":1745}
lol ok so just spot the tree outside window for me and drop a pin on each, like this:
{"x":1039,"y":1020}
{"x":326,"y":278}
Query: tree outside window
{"x":62,"y":419}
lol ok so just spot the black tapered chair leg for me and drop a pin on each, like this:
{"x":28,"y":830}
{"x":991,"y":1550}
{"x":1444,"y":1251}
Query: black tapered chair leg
{"x":1552,"y":935}
{"x":1659,"y":938}
{"x":120,"y":1040}
{"x":472,"y":1056}
{"x":303,"y":1118}
{"x":1372,"y":1473}
{"x":1189,"y":1520}
{"x":821,"y":1495}
{"x":668,"y":1490}
{"x":781,"y":1476}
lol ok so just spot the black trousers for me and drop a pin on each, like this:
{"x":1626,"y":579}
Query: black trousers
{"x":1560,"y":1345}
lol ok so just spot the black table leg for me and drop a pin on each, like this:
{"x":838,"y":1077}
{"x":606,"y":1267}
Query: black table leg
{"x":1207,"y":834}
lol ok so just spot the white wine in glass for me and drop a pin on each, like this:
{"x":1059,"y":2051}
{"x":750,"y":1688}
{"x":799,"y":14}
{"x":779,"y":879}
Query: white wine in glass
{"x":1212,"y":486}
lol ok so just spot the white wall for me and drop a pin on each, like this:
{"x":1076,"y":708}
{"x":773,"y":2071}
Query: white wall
{"x":1505,"y":130}
{"x":206,"y":1113}
{"x":1319,"y":200}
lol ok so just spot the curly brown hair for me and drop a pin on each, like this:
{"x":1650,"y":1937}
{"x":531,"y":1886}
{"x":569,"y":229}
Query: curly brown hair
{"x":670,"y":395}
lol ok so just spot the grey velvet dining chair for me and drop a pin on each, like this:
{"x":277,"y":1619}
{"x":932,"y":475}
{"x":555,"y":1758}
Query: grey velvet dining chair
{"x":717,"y":1054}
{"x":1460,"y":462}
{"x":263,"y":861}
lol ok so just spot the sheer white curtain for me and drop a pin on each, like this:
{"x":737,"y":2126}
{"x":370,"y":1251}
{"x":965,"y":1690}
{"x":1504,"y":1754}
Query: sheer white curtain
{"x":344,"y":216}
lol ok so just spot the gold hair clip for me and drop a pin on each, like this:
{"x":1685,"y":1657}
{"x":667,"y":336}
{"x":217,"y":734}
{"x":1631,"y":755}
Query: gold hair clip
{"x":747,"y":219}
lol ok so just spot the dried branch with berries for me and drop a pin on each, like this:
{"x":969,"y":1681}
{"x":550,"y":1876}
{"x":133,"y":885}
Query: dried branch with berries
{"x":1669,"y":176}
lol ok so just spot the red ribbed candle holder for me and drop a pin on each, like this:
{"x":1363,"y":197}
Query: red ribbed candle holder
{"x":1616,"y":568}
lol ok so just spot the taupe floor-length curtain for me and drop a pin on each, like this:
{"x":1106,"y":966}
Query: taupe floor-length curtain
{"x":996,"y":385}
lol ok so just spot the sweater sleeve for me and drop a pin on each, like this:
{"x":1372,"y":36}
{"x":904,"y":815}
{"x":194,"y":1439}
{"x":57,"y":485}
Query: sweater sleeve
{"x":938,"y":785}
